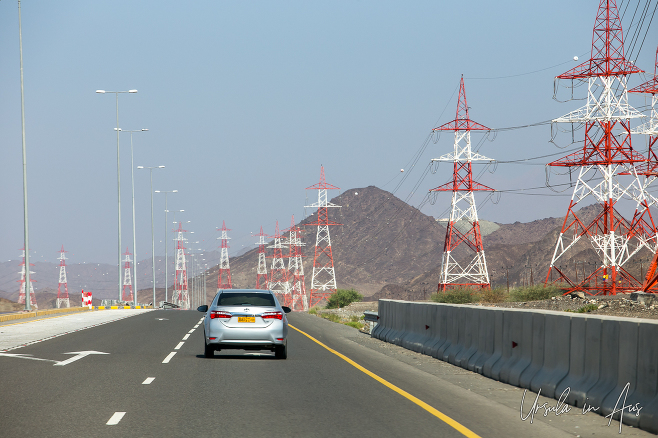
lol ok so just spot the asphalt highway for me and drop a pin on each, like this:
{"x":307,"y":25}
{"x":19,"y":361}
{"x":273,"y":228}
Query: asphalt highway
{"x":154,"y":381}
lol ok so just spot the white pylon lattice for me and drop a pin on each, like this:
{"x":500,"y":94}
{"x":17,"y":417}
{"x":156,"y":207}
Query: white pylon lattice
{"x":21,"y":292}
{"x":127,"y":278}
{"x":323,"y":281}
{"x":463,"y":226}
{"x":606,"y":155}
{"x":650,"y":128}
{"x":279,"y":281}
{"x":261,"y":269}
{"x":224,"y":271}
{"x":62,"y":297}
{"x":296,"y":269}
{"x":180,"y":292}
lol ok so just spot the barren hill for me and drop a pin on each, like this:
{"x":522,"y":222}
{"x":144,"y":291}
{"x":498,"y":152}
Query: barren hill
{"x":381,"y":240}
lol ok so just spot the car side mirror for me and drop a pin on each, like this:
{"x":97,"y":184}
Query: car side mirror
{"x":203,"y":308}
{"x":286,"y":309}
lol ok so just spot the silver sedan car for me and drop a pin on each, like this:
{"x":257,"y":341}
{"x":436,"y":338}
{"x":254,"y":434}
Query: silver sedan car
{"x":245,"y":319}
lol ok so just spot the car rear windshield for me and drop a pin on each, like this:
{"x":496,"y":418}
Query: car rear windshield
{"x":258,"y":299}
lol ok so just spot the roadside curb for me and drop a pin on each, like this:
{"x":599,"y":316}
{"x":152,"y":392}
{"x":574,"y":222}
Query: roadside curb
{"x":120,"y":307}
{"x":36,"y":313}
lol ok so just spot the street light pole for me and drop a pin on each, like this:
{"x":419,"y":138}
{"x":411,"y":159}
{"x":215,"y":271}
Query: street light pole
{"x":26,"y":233}
{"x":166,"y":192}
{"x":116,"y":93}
{"x":152,"y":234}
{"x":132,"y":179}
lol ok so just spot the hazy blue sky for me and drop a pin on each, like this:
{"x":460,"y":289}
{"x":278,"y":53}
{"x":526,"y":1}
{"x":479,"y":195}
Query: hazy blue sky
{"x":245,"y":101}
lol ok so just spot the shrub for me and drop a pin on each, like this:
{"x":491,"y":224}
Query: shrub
{"x":313,"y":311}
{"x":342,"y":298}
{"x":587,"y":308}
{"x":534,"y":293}
{"x":497,"y":295}
{"x":357,"y":325}
{"x":456,"y":296}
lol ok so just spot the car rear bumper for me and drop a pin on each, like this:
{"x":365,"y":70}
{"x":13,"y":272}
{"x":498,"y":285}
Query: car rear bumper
{"x":245,"y":345}
{"x":247,"y":338}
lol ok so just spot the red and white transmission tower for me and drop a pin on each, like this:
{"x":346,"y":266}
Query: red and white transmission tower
{"x":296,"y":269}
{"x":323,"y":281}
{"x":62,"y":297}
{"x":464,"y":225}
{"x":127,"y":279}
{"x":261,"y":269}
{"x":606,"y":155}
{"x":650,"y":128}
{"x":278,"y":281}
{"x":224,"y":273}
{"x":650,"y":168}
{"x":181,"y":295}
{"x":21,"y":292}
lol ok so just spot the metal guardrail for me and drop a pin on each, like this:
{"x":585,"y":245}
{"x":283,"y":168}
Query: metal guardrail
{"x":371,"y":318}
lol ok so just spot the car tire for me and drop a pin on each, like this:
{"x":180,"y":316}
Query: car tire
{"x":208,"y":351}
{"x":281,"y":351}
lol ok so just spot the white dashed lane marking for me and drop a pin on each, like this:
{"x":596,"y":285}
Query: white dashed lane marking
{"x":115,"y":418}
{"x":186,"y":336}
{"x":168,"y":358}
{"x":180,"y":344}
{"x":148,"y":380}
{"x":191,"y":331}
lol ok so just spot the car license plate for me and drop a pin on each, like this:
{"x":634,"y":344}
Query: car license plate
{"x":246,"y":319}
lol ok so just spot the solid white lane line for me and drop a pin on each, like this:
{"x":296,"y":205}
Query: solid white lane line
{"x":191,"y":331}
{"x":148,"y":380}
{"x":186,"y":336}
{"x":168,"y":358}
{"x":115,"y":418}
{"x":180,"y":344}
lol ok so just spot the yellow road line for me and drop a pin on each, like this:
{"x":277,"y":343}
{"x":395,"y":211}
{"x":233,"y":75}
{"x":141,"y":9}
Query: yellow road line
{"x":443,"y":417}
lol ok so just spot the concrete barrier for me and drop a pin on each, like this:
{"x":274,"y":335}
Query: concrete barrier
{"x":627,"y":372}
{"x":414,"y":338}
{"x":497,"y":352}
{"x":437,"y":330}
{"x":451,"y":332}
{"x":595,"y":357}
{"x":608,"y":363}
{"x":388,"y":320}
{"x":459,"y":325}
{"x":471,"y":334}
{"x":537,"y":361}
{"x":384,"y":318}
{"x":557,"y":331}
{"x":647,"y":377}
{"x":485,"y":341}
{"x":520,"y":345}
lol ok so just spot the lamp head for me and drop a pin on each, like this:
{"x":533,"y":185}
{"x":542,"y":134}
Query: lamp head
{"x":160,"y":167}
{"x":140,"y":167}
{"x":132,"y":91}
{"x":100,"y":91}
{"x":145,"y":129}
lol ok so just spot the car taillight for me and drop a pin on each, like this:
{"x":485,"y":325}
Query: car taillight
{"x":221,"y":315}
{"x":272,"y":315}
